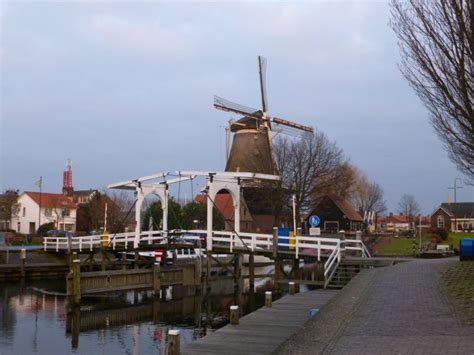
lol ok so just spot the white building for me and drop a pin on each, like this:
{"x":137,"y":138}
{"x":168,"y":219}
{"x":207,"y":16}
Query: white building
{"x":56,"y":208}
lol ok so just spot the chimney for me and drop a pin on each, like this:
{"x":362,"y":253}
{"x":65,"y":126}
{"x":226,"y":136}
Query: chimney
{"x":67,"y":179}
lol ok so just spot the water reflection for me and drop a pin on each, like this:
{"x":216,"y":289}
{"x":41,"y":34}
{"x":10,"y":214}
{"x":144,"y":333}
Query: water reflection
{"x":36,"y":317}
{"x":129,"y":323}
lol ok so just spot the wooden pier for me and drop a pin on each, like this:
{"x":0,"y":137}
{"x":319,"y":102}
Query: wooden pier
{"x":264,"y":330}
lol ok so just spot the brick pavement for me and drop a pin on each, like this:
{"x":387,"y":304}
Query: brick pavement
{"x":394,"y":310}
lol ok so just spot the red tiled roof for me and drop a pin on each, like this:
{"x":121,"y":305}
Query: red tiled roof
{"x":223,"y":202}
{"x":404,"y":219}
{"x":346,"y":207}
{"x":51,"y":200}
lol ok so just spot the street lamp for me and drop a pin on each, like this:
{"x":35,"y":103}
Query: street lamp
{"x":455,"y":187}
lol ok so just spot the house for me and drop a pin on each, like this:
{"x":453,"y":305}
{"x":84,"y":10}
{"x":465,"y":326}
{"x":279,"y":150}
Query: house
{"x":82,"y":197}
{"x":336,"y":213}
{"x":455,"y":217}
{"x":225,"y":205}
{"x":34,"y":208}
{"x":396,"y":223}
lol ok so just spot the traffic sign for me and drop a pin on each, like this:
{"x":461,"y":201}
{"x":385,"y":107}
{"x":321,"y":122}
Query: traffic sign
{"x":314,"y":220}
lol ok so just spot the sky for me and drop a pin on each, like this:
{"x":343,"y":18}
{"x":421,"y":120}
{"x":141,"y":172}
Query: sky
{"x":125,"y":89}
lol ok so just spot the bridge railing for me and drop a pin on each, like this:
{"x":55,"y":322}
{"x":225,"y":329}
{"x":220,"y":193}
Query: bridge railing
{"x":331,"y":264}
{"x":357,"y":245}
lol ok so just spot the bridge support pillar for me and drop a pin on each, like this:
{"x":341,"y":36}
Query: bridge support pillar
{"x":277,"y":275}
{"x":76,"y":281}
{"x":296,"y":273}
{"x":156,"y":280}
{"x":251,"y":282}
{"x":237,"y":278}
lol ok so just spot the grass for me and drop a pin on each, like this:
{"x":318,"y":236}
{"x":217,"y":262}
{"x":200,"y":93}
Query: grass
{"x":457,"y":281}
{"x":404,"y":246}
{"x":454,"y":238}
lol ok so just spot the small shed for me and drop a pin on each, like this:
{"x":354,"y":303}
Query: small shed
{"x":336,"y":213}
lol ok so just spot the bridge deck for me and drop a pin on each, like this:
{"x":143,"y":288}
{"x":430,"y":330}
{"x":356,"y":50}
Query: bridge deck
{"x":264,"y":330}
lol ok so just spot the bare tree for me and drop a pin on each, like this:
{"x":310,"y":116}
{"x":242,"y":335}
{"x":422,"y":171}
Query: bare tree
{"x":119,"y":210}
{"x":409,"y":207}
{"x":436,"y":40}
{"x":368,"y":196}
{"x":9,"y":205}
{"x":305,"y":165}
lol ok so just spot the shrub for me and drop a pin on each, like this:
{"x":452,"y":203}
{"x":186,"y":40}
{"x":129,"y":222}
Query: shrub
{"x":443,"y":233}
{"x":44,"y":228}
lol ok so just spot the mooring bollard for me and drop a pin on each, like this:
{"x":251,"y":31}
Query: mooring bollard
{"x":173,"y":342}
{"x":268,"y":298}
{"x":23,"y":261}
{"x":291,"y":288}
{"x":234,"y":315}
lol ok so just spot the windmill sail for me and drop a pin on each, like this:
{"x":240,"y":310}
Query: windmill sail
{"x":262,"y":69}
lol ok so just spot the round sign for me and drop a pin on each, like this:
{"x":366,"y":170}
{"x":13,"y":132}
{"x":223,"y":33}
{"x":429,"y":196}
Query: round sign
{"x":314,"y":220}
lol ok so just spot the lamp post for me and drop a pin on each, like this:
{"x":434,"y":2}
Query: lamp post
{"x":455,"y":187}
{"x":294,"y":213}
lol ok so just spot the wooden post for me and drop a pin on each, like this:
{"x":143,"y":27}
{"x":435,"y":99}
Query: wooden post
{"x":156,"y":307}
{"x":136,"y":260}
{"x":173,"y":342}
{"x":237,"y":278}
{"x":103,"y":260}
{"x":76,"y":281}
{"x":91,"y":260}
{"x":234,"y":315}
{"x":156,"y":279}
{"x":275,"y":242}
{"x":251,"y":282}
{"x":75,"y":326}
{"x":23,"y":262}
{"x":208,"y":288}
{"x":277,"y":275}
{"x":268,"y":298}
{"x":291,"y":288}
{"x":296,"y":273}
{"x":197,"y":274}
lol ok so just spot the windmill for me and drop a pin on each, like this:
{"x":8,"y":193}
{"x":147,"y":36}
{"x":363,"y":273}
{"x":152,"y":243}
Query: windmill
{"x":251,"y":149}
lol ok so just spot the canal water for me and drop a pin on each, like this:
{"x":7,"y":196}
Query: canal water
{"x":35,"y":318}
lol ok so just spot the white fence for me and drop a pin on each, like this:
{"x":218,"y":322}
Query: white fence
{"x":91,"y":242}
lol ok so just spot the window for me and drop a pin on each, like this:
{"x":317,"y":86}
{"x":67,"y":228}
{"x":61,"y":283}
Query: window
{"x":68,"y":227}
{"x":48,"y":212}
{"x":24,"y":211}
{"x":66,"y":212}
{"x":441,"y":222}
{"x":18,"y":227}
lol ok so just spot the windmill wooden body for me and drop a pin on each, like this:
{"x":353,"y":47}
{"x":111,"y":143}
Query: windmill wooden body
{"x":251,"y":147}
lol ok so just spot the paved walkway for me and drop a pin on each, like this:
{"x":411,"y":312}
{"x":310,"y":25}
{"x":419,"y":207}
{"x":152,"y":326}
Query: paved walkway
{"x":262,"y":331}
{"x":393,"y":310}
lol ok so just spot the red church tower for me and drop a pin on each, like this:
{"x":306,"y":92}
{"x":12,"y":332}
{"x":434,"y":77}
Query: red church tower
{"x":67,"y":179}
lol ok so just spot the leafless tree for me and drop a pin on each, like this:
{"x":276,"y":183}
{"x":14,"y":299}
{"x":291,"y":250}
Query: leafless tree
{"x":305,"y":165}
{"x":9,"y":205}
{"x":436,"y":40}
{"x":409,"y":207}
{"x":118,"y":210}
{"x":368,"y":196}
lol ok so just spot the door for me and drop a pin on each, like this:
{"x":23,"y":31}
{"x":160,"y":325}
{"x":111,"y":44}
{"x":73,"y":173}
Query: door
{"x":32,"y":227}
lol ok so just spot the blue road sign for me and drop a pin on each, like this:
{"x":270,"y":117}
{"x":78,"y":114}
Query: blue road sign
{"x":314,"y":220}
